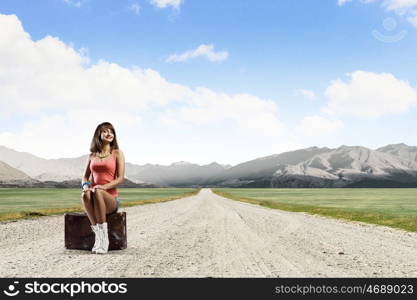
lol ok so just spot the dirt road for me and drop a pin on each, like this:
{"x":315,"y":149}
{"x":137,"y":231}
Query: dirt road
{"x":207,"y":235}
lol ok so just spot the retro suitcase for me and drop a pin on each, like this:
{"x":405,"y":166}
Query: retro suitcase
{"x":78,"y":233}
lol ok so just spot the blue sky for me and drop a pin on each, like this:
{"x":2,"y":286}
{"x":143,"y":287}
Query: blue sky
{"x":269,"y":76}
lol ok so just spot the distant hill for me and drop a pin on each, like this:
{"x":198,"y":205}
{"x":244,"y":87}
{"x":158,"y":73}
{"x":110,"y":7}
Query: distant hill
{"x":48,"y":170}
{"x":406,"y":153}
{"x":9,"y":173}
{"x":76,"y":184}
{"x":179,"y":173}
{"x":13,"y":176}
{"x":71,"y":169}
{"x":44,"y":169}
{"x":261,"y":169}
{"x":346,"y":166}
{"x":324,"y":167}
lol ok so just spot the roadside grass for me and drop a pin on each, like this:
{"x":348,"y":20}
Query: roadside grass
{"x":394,"y":212}
{"x":27,"y":203}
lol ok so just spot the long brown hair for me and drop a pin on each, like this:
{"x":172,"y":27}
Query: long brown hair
{"x":97,"y":143}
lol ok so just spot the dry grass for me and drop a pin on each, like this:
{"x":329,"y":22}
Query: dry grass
{"x":13,"y":216}
{"x":408,"y":223}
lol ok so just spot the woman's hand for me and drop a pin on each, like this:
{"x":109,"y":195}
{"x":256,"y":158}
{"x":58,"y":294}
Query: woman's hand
{"x":86,"y":188}
{"x":101,"y":187}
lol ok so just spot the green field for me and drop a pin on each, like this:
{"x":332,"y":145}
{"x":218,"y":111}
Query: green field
{"x":391,"y":207}
{"x":16,"y":203}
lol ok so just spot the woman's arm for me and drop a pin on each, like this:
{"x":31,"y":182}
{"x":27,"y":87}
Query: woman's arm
{"x":120,"y":167}
{"x":87,"y":172}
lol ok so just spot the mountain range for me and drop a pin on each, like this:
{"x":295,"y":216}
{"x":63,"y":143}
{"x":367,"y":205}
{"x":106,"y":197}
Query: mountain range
{"x":346,"y":166}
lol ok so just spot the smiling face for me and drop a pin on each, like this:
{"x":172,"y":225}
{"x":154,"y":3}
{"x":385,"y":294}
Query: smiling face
{"x":104,"y":134}
{"x":107,"y":135}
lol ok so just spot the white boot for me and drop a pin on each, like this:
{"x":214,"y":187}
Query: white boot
{"x":97,"y":240}
{"x":104,"y":239}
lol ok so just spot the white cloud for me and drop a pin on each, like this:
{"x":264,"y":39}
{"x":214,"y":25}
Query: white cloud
{"x":319,"y":126}
{"x":49,"y":75}
{"x":399,"y":4}
{"x":400,"y":7}
{"x":65,"y":135}
{"x":63,"y":98}
{"x":370,"y":94}
{"x":76,"y":3}
{"x":388,"y":4}
{"x":202,"y":50}
{"x":413,"y":18}
{"x":135,"y":7}
{"x":253,"y":115}
{"x":342,"y":2}
{"x":165,"y":3}
{"x":310,"y":95}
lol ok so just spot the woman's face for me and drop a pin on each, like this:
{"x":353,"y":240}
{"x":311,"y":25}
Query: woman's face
{"x":107,"y":135}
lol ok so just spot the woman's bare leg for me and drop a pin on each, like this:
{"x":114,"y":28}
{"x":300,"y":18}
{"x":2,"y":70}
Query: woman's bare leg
{"x":104,"y":203}
{"x":88,"y":206}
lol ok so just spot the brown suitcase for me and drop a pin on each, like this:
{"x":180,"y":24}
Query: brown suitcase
{"x":78,"y":233}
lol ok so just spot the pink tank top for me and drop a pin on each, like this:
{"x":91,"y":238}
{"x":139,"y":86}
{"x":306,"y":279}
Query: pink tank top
{"x":104,"y":171}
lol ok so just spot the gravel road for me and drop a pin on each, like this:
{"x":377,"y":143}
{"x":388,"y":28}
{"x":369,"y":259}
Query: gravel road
{"x":209,"y":236}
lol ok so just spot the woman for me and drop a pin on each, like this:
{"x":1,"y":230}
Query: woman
{"x":105,"y":169}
